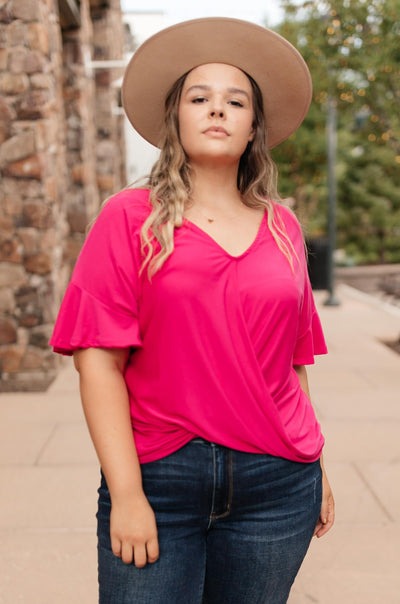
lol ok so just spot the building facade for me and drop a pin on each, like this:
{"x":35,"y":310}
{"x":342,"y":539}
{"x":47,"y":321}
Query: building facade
{"x":62,"y":152}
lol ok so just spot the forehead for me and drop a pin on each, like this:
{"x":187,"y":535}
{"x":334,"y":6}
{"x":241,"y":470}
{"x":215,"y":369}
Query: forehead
{"x":221,"y":72}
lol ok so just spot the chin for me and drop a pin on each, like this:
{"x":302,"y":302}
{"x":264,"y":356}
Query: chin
{"x":216,"y":156}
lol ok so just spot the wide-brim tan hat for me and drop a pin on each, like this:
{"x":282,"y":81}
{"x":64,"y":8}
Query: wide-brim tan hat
{"x":278,"y":68}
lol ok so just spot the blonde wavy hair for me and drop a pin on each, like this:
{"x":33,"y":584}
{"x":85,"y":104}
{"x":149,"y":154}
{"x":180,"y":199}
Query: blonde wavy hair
{"x":171,"y":186}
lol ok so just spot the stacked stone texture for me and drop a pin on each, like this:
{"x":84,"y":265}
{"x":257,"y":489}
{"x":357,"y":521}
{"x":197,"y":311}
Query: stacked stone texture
{"x":57,"y":161}
{"x":110,"y":125}
{"x":81,"y":199}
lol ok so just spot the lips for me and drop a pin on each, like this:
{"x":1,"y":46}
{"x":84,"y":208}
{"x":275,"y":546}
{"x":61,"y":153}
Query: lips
{"x":216,"y":130}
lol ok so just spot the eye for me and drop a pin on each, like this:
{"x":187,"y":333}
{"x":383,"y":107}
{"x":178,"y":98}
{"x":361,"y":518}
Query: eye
{"x":236,"y":103}
{"x":199,"y":99}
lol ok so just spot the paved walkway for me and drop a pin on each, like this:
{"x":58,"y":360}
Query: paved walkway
{"x":49,"y":475}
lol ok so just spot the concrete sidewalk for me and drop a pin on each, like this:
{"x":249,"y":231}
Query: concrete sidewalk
{"x":49,"y":475}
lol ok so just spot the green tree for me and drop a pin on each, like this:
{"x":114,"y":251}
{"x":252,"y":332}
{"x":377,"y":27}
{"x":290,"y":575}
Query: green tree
{"x":353,"y":50}
{"x":369,"y":208}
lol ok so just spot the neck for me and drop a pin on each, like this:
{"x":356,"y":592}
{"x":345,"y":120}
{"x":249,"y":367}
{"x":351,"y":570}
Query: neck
{"x":215,"y":187}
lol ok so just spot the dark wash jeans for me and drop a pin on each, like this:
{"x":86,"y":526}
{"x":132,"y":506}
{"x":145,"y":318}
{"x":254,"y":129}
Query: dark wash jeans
{"x":233,"y":528}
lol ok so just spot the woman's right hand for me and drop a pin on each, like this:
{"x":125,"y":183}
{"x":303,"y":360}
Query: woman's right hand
{"x":105,"y":400}
{"x":133,"y":530}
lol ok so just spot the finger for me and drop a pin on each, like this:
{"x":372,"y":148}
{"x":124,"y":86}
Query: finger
{"x":127,"y":553}
{"x":153,"y":551}
{"x":325,"y":522}
{"x":324,"y":511}
{"x":320,"y":532}
{"x":140,"y":555}
{"x":116,"y":546}
{"x":318,"y":527}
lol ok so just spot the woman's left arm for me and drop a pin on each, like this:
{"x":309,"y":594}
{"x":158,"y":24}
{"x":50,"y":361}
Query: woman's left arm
{"x":327,"y":515}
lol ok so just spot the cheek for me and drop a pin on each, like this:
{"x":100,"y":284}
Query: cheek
{"x":247,"y":131}
{"x":244,"y":124}
{"x":184,"y":122}
{"x":251,"y":129}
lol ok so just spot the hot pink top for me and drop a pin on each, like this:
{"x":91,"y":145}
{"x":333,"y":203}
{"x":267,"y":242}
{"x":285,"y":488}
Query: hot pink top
{"x":214,"y":337}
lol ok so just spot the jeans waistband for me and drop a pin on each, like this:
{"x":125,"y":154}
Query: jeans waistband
{"x":201,"y":441}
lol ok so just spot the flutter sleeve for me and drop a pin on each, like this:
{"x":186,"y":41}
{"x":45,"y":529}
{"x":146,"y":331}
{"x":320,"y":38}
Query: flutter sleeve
{"x":310,"y":338}
{"x":100,"y":306}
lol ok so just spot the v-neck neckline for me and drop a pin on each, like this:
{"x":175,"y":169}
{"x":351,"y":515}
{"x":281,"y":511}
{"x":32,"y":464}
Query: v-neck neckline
{"x":197,"y":228}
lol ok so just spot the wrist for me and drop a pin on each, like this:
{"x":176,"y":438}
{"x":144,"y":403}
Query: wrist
{"x":124,"y":486}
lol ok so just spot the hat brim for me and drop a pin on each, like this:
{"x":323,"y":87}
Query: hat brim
{"x":278,"y":68}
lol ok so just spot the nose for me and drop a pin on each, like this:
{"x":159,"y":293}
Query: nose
{"x":217,"y":113}
{"x":216,"y":109}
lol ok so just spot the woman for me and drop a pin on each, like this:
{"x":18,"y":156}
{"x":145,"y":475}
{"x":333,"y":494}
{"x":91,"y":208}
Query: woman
{"x":191,"y":319}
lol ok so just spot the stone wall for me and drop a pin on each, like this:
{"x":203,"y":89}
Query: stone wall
{"x":81,"y":198}
{"x":61,"y":153}
{"x":107,"y":46}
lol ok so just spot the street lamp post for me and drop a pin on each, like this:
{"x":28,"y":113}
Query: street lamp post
{"x":332,"y":196}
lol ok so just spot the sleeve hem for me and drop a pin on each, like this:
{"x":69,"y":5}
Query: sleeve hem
{"x":309,"y":359}
{"x":86,"y":322}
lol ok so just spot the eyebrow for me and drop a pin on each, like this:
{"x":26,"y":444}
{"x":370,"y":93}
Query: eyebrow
{"x":205,"y":88}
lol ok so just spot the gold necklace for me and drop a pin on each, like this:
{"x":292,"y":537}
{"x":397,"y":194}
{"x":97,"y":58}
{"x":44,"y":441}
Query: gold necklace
{"x":210,"y":220}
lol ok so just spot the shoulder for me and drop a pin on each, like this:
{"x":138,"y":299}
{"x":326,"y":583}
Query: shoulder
{"x":120,"y":219}
{"x":287,"y":215}
{"x":290,"y":222}
{"x":131,"y":206}
{"x":115,"y":232}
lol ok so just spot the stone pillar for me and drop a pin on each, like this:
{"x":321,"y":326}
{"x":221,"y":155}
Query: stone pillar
{"x":108,"y":45}
{"x":61,"y":154}
{"x":82,"y":200}
{"x":32,"y":162}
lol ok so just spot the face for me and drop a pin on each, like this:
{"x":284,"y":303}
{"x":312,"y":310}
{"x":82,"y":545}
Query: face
{"x":216,"y":113}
